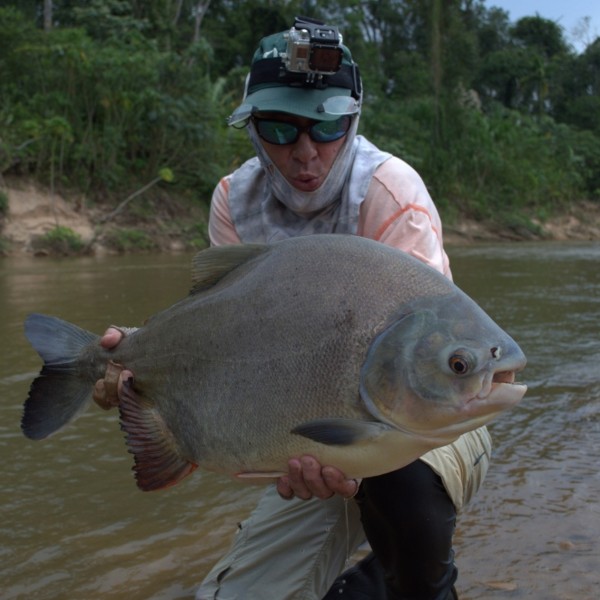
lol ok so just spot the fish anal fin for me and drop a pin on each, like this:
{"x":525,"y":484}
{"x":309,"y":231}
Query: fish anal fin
{"x":340,"y":432}
{"x":158,"y":462}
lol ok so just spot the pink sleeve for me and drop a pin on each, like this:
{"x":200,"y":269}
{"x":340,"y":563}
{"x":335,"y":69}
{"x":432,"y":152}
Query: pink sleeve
{"x":399,"y":211}
{"x":221,"y":230}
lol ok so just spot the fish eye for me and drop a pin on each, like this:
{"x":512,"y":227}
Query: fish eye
{"x":460,"y":363}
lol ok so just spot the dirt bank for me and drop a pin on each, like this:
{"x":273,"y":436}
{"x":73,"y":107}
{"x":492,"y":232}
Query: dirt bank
{"x":580,"y":222}
{"x":34,"y":211}
{"x":158,"y":222}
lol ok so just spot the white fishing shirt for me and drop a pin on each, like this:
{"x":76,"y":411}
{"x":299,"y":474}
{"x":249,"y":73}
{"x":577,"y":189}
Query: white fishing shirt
{"x":384,"y":199}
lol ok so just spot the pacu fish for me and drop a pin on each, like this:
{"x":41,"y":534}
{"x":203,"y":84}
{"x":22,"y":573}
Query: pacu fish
{"x":331,"y":345}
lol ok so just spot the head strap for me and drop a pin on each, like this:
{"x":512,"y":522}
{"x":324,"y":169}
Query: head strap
{"x":272,"y":71}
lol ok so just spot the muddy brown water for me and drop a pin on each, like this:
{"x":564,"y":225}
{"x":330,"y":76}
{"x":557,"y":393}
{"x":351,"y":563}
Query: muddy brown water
{"x":74,"y":526}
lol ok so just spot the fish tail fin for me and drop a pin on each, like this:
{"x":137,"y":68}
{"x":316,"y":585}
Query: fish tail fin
{"x":59,"y":393}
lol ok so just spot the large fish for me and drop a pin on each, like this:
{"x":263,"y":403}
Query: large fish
{"x":331,"y":345}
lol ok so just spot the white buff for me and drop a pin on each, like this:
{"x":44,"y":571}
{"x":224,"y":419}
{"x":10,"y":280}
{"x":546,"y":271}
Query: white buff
{"x":328,"y":193}
{"x":265,"y":208}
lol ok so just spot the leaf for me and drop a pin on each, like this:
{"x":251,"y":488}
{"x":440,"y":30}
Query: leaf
{"x":166,"y":174}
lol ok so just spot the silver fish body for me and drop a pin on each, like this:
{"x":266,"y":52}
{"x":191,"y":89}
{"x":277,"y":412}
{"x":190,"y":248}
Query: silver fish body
{"x":331,"y":345}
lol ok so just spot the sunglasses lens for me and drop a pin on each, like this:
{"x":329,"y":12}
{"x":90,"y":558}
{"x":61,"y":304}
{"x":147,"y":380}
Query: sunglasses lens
{"x":276,"y":132}
{"x":281,"y":132}
{"x":330,"y":131}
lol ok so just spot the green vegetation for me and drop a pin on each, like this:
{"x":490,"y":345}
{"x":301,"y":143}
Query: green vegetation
{"x":501,"y":119}
{"x":4,"y":245}
{"x":125,"y":240}
{"x":60,"y":240}
{"x":3,"y":204}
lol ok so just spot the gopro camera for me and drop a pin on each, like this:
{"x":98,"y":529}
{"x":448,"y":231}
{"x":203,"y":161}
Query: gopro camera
{"x":313,"y":48}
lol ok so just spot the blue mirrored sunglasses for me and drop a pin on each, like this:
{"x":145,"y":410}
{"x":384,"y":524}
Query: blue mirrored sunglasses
{"x":282,"y":132}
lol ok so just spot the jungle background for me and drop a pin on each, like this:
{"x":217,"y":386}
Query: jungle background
{"x":115,"y":111}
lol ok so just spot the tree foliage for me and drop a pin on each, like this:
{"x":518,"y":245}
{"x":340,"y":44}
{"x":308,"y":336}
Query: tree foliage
{"x":104,"y":95}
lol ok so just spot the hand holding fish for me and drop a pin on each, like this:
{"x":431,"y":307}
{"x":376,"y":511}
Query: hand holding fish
{"x":106,"y":390}
{"x":307,"y":478}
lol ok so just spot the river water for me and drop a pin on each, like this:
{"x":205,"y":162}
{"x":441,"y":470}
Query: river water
{"x":73,"y":524}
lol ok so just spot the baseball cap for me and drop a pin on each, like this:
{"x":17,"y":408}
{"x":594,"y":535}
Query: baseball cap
{"x":271,"y":87}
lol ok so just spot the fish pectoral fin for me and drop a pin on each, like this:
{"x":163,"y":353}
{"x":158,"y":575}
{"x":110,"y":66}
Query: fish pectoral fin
{"x":341,"y":432}
{"x":158,"y":461}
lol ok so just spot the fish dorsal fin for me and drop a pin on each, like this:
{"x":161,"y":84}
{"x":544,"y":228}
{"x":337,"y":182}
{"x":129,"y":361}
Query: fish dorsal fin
{"x":212,"y":264}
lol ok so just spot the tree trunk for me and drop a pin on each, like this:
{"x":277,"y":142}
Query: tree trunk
{"x":201,"y":8}
{"x":47,"y":15}
{"x":436,"y":63}
{"x":178,"y":7}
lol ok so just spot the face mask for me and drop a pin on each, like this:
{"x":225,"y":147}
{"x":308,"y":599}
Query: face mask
{"x":307,"y":203}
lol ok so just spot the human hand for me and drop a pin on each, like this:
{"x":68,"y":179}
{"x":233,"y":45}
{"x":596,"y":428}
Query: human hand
{"x":307,"y":478}
{"x":111,"y":338}
{"x":106,"y":390}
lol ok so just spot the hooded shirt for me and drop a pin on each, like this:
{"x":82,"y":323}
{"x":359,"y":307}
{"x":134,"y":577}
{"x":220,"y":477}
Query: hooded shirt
{"x":265,"y":207}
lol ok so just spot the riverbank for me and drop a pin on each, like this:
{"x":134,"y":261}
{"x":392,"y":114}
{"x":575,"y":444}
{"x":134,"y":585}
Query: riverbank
{"x":579,"y":222}
{"x":173,"y":225}
{"x":40,"y":222}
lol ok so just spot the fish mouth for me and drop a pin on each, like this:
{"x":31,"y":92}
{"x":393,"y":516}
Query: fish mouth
{"x":504,"y":377}
{"x":502,"y":390}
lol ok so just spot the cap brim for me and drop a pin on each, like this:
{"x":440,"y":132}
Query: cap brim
{"x":321,"y":105}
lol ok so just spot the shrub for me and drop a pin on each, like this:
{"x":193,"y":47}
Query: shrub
{"x":60,"y":240}
{"x":126,"y":240}
{"x":3,"y":204}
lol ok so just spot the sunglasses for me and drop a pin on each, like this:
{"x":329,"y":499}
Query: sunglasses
{"x":281,"y":133}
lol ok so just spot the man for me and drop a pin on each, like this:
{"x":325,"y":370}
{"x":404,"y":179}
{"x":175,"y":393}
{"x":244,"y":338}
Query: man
{"x":313,"y":174}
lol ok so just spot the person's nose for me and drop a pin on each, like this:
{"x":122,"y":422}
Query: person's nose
{"x":304,"y":149}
